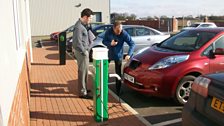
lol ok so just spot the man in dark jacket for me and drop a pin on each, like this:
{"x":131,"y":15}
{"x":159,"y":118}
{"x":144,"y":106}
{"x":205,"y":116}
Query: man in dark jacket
{"x":81,"y":45}
{"x":114,"y":40}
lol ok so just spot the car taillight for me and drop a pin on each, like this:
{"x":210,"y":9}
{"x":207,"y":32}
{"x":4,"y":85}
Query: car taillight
{"x":200,"y":86}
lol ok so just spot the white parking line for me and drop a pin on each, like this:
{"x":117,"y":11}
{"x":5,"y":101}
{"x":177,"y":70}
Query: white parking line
{"x":168,"y":122}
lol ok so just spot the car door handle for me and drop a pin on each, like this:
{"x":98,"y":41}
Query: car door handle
{"x":149,"y":39}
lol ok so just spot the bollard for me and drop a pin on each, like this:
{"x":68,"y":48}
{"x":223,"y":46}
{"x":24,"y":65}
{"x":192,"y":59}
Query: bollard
{"x":62,"y":48}
{"x":100,"y":87}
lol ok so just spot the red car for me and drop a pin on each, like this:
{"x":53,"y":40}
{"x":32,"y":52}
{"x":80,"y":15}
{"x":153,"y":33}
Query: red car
{"x":54,"y":36}
{"x":169,"y":68}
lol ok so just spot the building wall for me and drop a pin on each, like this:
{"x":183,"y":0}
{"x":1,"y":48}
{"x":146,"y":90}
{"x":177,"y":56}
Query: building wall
{"x":48,"y":16}
{"x":19,"y":115}
{"x":15,"y":35}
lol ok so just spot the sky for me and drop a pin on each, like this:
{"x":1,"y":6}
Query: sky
{"x":177,"y":8}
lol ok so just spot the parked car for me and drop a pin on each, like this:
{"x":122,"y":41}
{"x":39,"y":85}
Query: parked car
{"x":54,"y":35}
{"x":69,"y":44}
{"x":95,"y":24}
{"x":69,"y":35}
{"x":101,"y":28}
{"x":205,"y":106}
{"x":142,"y":36}
{"x":200,"y":25}
{"x":169,"y":68}
{"x":96,"y":29}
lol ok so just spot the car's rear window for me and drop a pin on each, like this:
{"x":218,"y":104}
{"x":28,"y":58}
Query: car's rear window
{"x":101,"y":35}
{"x":187,"y":41}
{"x":194,"y":25}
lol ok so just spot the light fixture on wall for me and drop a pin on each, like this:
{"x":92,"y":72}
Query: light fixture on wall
{"x":78,"y":5}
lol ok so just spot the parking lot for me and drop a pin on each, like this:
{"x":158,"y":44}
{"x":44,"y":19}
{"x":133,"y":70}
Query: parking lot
{"x":157,"y":111}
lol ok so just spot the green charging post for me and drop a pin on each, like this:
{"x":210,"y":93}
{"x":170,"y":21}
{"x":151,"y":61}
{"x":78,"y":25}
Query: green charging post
{"x":100,"y":87}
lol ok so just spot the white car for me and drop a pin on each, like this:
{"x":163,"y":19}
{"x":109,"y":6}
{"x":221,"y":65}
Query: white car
{"x":142,"y":36}
{"x":200,"y":25}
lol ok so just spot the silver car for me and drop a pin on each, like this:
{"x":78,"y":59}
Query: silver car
{"x":142,"y":36}
{"x":200,"y":25}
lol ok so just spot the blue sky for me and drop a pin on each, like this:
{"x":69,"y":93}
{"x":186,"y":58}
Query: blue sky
{"x":144,"y":8}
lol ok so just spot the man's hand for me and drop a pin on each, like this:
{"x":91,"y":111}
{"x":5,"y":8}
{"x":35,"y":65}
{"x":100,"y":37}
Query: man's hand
{"x":113,"y":43}
{"x":127,"y":57}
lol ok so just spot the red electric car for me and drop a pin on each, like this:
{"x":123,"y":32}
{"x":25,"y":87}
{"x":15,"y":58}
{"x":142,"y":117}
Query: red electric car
{"x":169,"y":68}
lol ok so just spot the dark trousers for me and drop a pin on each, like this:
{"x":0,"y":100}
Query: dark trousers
{"x":118,"y":65}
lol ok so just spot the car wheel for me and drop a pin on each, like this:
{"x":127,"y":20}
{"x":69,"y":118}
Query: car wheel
{"x":183,"y":89}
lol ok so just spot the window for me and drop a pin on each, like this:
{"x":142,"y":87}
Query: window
{"x":130,"y":31}
{"x":194,"y":25}
{"x":188,"y":40}
{"x":206,"y":25}
{"x":16,"y":24}
{"x":142,"y":31}
{"x":206,"y":52}
{"x":218,"y":44}
{"x":97,"y":17}
{"x":100,"y":30}
{"x":152,"y":32}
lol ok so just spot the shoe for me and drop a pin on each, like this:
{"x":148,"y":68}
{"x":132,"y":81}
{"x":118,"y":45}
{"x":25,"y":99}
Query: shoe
{"x":86,"y":97}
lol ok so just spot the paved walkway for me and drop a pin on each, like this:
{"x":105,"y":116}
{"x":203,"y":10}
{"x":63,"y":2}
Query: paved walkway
{"x":54,"y":100}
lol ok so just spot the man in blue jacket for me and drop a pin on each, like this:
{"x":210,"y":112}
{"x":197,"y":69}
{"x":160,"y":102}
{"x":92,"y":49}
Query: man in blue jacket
{"x":114,"y":40}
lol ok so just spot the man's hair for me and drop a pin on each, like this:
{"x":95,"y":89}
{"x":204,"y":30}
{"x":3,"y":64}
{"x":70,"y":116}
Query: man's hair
{"x":116,"y":24}
{"x":87,"y":12}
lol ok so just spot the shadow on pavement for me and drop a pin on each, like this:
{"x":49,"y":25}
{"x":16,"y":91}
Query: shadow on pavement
{"x":44,"y":64}
{"x":53,"y":48}
{"x":82,"y":119}
{"x":56,"y":57}
{"x":142,"y":100}
{"x":49,"y":43}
